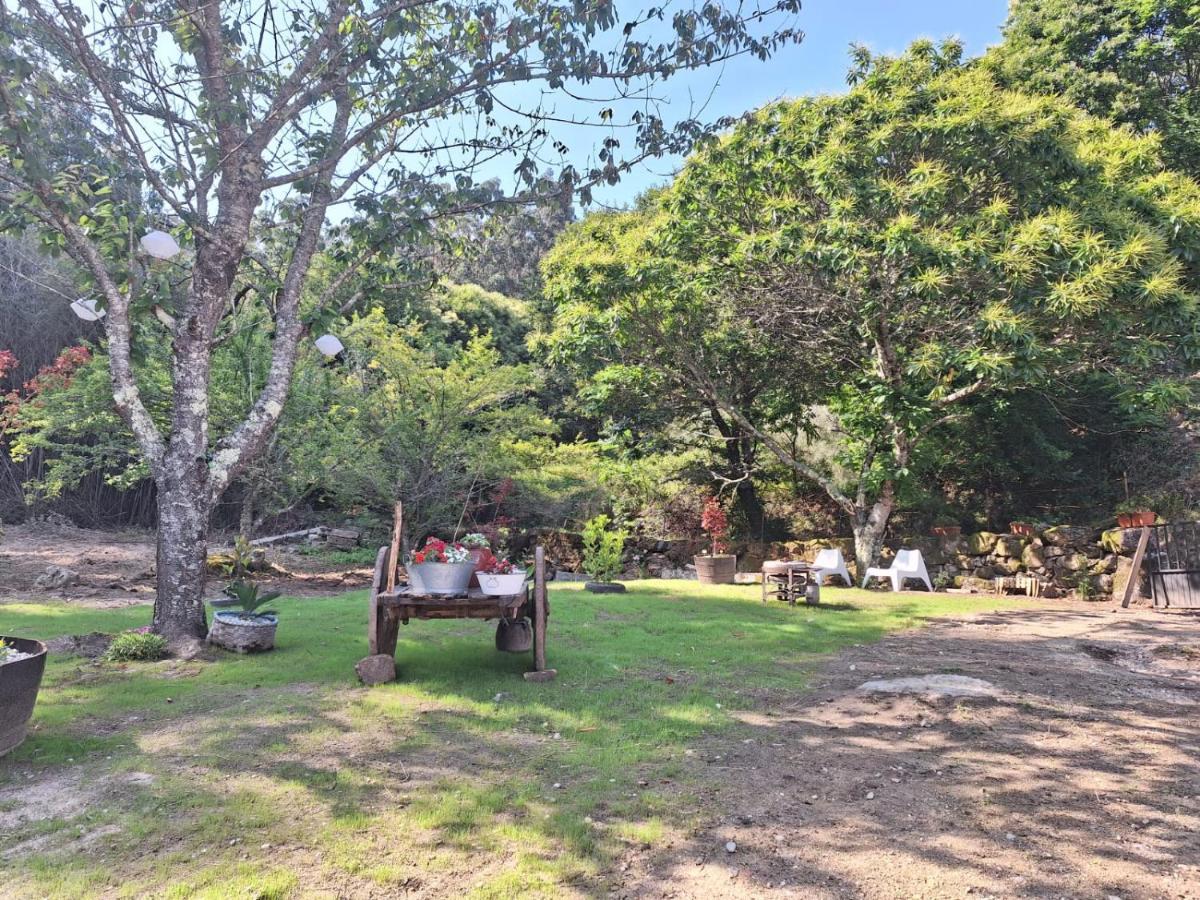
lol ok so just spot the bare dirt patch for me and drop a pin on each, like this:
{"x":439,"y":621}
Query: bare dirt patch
{"x":116,"y":568}
{"x":1079,"y":779}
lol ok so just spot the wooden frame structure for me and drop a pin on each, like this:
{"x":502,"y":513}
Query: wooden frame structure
{"x":787,"y":580}
{"x":392,"y":606}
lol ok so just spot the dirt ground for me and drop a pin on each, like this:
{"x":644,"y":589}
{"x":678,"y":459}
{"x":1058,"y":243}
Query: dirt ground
{"x":117,"y":568}
{"x":1081,"y":778}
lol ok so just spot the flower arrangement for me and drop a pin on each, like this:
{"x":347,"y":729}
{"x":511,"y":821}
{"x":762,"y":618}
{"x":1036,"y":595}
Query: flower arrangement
{"x":498,"y":566}
{"x":476,"y":541}
{"x":438,"y":551}
{"x":716,"y":524}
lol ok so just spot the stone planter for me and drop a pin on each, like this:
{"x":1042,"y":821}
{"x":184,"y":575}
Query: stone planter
{"x":716,"y":569}
{"x":19,"y":683}
{"x":243,"y":634}
{"x":494,"y":585}
{"x":441,"y":579}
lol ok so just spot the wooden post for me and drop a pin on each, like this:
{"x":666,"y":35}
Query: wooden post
{"x":540,"y":672}
{"x":1138,"y":555}
{"x":394,"y":555}
{"x":374,"y":613}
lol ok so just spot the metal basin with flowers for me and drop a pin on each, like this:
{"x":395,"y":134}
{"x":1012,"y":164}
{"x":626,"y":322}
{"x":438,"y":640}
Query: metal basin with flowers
{"x":441,"y":569}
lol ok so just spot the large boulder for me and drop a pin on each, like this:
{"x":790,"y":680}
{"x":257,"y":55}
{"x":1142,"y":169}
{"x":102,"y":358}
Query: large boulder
{"x":1009,"y":545}
{"x":1074,"y":562}
{"x":1067,"y":536}
{"x":55,"y":578}
{"x":1122,"y":541}
{"x":981,"y":543}
{"x":1120,"y":579}
{"x":1009,"y":565}
{"x":1032,"y":556}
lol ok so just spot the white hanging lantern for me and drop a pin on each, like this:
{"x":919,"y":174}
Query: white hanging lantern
{"x":159,"y":244}
{"x":86,"y":309}
{"x":329,"y":345}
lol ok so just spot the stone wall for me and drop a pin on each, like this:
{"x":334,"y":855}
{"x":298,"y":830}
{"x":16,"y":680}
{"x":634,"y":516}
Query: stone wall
{"x":1066,"y":559}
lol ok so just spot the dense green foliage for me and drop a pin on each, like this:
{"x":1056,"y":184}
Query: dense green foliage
{"x":136,"y":646}
{"x":1135,"y":61}
{"x":921,"y":247}
{"x":603,"y":548}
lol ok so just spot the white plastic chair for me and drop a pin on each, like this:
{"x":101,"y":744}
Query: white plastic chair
{"x":907,"y":564}
{"x":831,"y":562}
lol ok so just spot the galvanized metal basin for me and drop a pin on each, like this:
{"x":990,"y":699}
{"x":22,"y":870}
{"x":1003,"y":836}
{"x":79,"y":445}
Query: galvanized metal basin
{"x":441,"y":579}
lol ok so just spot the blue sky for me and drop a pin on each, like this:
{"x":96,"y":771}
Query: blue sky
{"x":817,"y":65}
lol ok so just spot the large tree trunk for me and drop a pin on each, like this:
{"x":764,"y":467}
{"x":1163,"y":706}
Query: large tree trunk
{"x":182,"y":557}
{"x":738,"y":448}
{"x":870,"y":526}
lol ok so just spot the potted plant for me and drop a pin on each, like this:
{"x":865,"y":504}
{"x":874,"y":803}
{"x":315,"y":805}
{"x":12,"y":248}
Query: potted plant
{"x":603,"y":552}
{"x":717,"y":567}
{"x":1135,"y":512}
{"x":500,"y":578}
{"x":244,"y":627}
{"x":479,"y":547}
{"x":441,"y":569}
{"x":22,"y":662}
{"x":481,"y":553}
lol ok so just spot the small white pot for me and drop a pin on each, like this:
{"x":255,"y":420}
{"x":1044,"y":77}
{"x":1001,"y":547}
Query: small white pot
{"x":501,"y":585}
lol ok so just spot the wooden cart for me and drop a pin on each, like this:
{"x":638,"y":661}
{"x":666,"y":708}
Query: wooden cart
{"x":391,"y":608}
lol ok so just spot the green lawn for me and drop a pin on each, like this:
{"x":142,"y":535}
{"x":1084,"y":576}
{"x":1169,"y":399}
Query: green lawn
{"x":443,"y":781}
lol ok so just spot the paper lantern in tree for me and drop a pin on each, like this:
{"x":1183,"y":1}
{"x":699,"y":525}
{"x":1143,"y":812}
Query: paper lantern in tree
{"x":159,"y":244}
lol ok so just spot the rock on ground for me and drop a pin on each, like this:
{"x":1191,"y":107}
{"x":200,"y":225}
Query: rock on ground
{"x":932,"y":685}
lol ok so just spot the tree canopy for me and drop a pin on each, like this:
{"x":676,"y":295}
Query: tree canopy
{"x":1135,"y":61}
{"x":905,"y":251}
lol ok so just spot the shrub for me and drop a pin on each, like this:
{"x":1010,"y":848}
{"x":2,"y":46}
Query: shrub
{"x":602,"y":549}
{"x":134,"y":646}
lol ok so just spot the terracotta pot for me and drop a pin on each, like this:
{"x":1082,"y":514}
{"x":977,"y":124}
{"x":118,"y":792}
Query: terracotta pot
{"x":19,"y":683}
{"x":1136,"y":519}
{"x":1022,"y":528}
{"x":718,"y":569}
{"x":947,"y":531}
{"x":482,"y":557}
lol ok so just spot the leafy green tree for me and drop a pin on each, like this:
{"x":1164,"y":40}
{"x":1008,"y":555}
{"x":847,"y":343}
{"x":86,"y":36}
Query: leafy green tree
{"x":398,"y":424}
{"x":499,"y":247}
{"x":913,"y":249}
{"x":239,"y":123}
{"x":1135,"y":61}
{"x":457,"y":313}
{"x":631,"y":322}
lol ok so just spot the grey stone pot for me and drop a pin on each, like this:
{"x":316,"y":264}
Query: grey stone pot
{"x":441,"y":579}
{"x":19,"y":683}
{"x":230,"y":631}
